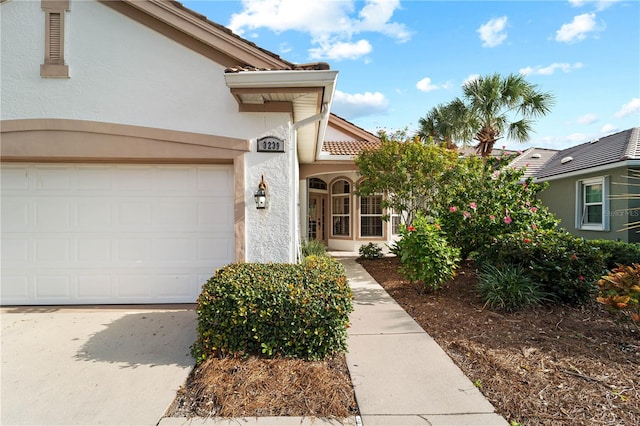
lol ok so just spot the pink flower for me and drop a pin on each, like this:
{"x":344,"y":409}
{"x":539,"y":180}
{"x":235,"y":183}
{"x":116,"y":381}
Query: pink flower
{"x":410,"y":228}
{"x":453,"y":209}
{"x":534,"y":209}
{"x":574,"y":257}
{"x":524,"y":184}
{"x":473,"y":205}
{"x":527,"y":240}
{"x":492,"y":217}
{"x":504,"y":146}
{"x":581,"y":278}
{"x":519,"y":152}
{"x":534,"y":226}
{"x":466,"y":214}
{"x":507,"y":219}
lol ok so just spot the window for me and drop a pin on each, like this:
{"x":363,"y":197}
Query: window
{"x":316,"y":183}
{"x":396,"y":220}
{"x":54,"y":65}
{"x":371,"y":216}
{"x":592,"y":204}
{"x":341,"y":208}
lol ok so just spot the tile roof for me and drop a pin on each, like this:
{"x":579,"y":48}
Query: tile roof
{"x":468,"y":151}
{"x":351,"y":148}
{"x":533,"y":159}
{"x":610,"y":149}
{"x":314,"y":66}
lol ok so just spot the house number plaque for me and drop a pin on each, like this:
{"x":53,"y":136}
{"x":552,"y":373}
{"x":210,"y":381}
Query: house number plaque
{"x":270,"y":144}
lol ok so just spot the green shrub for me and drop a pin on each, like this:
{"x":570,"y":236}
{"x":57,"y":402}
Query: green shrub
{"x":567,"y":268}
{"x":618,"y":252}
{"x":508,"y":288}
{"x":620,"y":292}
{"x":313,"y":248}
{"x":425,"y":254}
{"x":370,"y":251}
{"x":487,"y":199}
{"x":290,"y":310}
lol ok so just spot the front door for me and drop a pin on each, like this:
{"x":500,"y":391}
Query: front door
{"x":317,"y":212}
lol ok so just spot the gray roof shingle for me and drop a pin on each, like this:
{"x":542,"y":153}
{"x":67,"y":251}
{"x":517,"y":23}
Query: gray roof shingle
{"x":610,"y":149}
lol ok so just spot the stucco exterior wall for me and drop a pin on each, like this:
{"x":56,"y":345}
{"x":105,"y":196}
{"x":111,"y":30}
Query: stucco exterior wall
{"x":123,"y":72}
{"x":560,"y":197}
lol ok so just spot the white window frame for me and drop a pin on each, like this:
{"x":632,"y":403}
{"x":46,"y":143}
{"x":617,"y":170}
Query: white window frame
{"x":581,"y":204}
{"x":379,"y":215}
{"x":341,"y":197}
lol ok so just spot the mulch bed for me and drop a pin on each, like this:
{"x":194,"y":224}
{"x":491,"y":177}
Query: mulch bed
{"x":257,"y":387}
{"x":552,"y":365}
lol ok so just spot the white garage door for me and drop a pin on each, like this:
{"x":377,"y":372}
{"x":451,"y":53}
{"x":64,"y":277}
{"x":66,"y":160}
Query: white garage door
{"x":83,"y":233}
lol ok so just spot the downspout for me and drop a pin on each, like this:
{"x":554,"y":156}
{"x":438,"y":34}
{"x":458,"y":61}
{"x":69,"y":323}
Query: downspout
{"x":295,"y":173}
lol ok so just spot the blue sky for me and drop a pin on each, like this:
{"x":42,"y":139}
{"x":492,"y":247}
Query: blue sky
{"x":398,"y":59}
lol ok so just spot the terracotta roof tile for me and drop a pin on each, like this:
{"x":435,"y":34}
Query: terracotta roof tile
{"x":352,"y":148}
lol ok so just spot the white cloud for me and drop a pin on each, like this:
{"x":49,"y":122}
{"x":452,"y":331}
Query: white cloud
{"x":470,"y":78}
{"x":425,"y":85}
{"x":607,"y":129}
{"x":550,"y":69}
{"x":587,"y":119}
{"x":328,"y":22}
{"x":631,"y":107}
{"x":599,"y":4}
{"x":578,"y":28}
{"x":493,"y":32}
{"x":576,"y":138}
{"x":341,"y":50}
{"x":356,"y":105}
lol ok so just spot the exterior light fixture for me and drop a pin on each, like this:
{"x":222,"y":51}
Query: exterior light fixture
{"x":261,"y":195}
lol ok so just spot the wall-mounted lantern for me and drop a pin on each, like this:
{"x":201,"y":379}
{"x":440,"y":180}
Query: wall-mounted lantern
{"x":261,"y":195}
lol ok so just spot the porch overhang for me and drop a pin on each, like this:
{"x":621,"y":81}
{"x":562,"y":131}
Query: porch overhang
{"x":300,"y":93}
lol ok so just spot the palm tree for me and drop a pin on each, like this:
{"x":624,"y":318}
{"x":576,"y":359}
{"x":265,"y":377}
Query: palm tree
{"x":492,"y":107}
{"x":440,"y":123}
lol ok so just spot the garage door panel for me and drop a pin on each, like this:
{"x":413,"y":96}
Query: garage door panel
{"x":53,"y":287}
{"x":78,"y":233}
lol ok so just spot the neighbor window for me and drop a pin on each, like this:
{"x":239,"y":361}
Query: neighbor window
{"x":341,"y":208}
{"x":592,"y":204}
{"x":371,"y":216}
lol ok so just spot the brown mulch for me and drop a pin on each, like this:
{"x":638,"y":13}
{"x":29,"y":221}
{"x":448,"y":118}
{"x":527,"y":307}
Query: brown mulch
{"x":257,"y":387}
{"x":552,"y":365}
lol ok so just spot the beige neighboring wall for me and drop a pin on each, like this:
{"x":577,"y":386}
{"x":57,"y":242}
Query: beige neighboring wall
{"x":59,"y":140}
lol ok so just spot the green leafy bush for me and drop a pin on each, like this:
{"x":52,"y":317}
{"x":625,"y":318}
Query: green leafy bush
{"x":508,"y":288}
{"x":370,"y":251}
{"x":567,"y":268}
{"x":620,"y":292}
{"x":313,"y":248}
{"x":292,"y":310}
{"x":425,"y":254}
{"x":487,"y":199}
{"x":618,"y":252}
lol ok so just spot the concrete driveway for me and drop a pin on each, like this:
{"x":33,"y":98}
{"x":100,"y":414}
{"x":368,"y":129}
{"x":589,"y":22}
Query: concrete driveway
{"x":89,"y":366}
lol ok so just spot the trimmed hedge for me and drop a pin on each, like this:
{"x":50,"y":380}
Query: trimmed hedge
{"x":618,"y":252}
{"x":567,"y":268}
{"x":275,"y":310}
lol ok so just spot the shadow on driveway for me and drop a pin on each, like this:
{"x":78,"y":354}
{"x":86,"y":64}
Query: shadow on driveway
{"x":148,"y":338}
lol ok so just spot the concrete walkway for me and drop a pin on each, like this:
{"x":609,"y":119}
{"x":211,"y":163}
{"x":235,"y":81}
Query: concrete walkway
{"x":400,"y":375}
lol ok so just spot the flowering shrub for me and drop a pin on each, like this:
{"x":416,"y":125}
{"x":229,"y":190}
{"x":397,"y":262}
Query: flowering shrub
{"x":425,"y":254}
{"x":566,"y":267}
{"x":620,"y":292}
{"x":489,"y":199}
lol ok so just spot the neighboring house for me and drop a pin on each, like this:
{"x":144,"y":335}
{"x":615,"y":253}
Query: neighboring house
{"x":532,"y":160}
{"x":134,"y":137}
{"x":587,"y":184}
